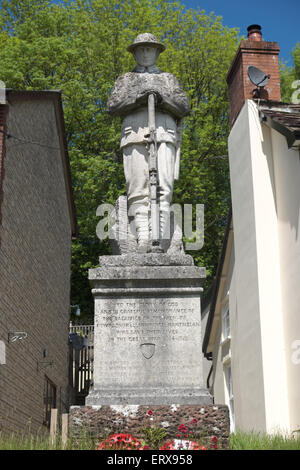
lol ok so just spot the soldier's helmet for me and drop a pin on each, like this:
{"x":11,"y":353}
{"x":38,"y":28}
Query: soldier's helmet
{"x":146,"y":39}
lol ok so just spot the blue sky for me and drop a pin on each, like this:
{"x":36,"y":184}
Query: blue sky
{"x":280,"y":19}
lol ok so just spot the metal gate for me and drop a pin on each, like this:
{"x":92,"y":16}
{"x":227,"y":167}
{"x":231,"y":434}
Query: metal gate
{"x":81,"y":362}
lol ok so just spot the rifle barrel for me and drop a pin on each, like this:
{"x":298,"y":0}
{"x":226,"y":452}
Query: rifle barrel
{"x":151,"y":112}
{"x":153,"y":176}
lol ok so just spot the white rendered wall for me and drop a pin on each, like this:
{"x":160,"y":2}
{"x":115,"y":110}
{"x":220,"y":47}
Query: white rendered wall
{"x":257,"y":336}
{"x":218,"y":373}
{"x":287,"y":178}
{"x":206,"y":364}
{"x":223,"y":352}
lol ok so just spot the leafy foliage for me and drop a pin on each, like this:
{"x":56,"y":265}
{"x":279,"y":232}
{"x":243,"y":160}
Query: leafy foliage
{"x":154,"y":436}
{"x":80,"y":48}
{"x":289,"y":75}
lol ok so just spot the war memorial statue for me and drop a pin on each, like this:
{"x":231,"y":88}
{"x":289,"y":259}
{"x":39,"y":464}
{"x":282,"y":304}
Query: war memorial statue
{"x":147,"y":323}
{"x":151,"y":104}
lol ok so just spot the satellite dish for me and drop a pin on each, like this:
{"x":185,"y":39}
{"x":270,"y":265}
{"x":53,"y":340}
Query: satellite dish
{"x":257,"y":76}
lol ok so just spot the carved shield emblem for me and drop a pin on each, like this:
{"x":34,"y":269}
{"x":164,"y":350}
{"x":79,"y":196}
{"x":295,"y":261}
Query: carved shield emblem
{"x":147,"y":349}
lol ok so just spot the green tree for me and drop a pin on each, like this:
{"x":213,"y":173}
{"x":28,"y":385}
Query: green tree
{"x":289,"y":75}
{"x":80,"y":48}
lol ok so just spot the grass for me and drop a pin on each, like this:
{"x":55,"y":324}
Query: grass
{"x":42,"y":442}
{"x":259,"y":441}
{"x":238,"y":441}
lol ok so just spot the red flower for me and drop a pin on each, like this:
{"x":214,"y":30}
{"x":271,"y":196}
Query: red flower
{"x":182,"y":428}
{"x":168,"y":446}
{"x":146,"y":447}
{"x":121,"y":442}
{"x":194,"y":421}
{"x":194,"y":446}
{"x":149,"y":412}
{"x":214,"y":439}
{"x":203,"y":448}
{"x":178,"y":435}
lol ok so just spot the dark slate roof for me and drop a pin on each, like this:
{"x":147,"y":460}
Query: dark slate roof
{"x":283,"y":117}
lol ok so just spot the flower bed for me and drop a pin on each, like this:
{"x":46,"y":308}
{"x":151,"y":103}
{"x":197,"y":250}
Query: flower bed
{"x":188,"y":438}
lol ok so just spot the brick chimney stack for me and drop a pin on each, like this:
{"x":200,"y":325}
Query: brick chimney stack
{"x":261,"y":54}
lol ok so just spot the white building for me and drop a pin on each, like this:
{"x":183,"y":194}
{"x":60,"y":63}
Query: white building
{"x":253,"y":326}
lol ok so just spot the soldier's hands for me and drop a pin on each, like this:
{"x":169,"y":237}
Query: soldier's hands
{"x":157,"y":96}
{"x":143,"y":97}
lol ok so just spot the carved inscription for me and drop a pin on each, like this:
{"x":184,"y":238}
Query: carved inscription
{"x":171,"y":325}
{"x":147,"y":320}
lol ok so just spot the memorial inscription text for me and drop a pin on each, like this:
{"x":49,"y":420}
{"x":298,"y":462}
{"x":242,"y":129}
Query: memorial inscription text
{"x":147,"y":319}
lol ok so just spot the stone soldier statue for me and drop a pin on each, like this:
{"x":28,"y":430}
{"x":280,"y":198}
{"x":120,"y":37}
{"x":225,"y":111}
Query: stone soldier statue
{"x":129,"y":99}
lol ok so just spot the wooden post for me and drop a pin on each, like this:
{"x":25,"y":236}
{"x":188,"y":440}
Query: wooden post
{"x":71,"y":366}
{"x":53,"y":425}
{"x":64,"y":429}
{"x":77,"y":358}
{"x":88,"y":368}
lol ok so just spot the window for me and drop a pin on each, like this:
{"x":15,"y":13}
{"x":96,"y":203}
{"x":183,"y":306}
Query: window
{"x":226,"y":322}
{"x":229,"y":393}
{"x":49,"y":400}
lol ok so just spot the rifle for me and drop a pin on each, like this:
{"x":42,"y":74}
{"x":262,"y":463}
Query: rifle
{"x":178,"y":145}
{"x":153,"y":176}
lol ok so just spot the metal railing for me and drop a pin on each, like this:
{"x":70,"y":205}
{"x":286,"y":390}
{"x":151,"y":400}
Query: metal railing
{"x":83,"y":330}
{"x":81,"y":361}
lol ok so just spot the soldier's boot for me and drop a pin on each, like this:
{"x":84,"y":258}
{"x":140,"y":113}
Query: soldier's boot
{"x":141,"y":221}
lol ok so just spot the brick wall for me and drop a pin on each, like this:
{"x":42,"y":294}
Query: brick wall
{"x":263,"y":55}
{"x":35,"y":257}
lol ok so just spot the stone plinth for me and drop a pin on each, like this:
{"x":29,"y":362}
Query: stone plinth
{"x":147,"y":338}
{"x":101,"y":421}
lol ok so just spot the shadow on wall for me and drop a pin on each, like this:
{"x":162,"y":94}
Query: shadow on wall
{"x":284,"y":181}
